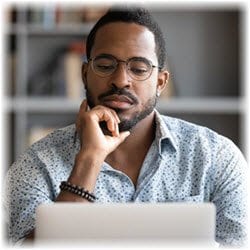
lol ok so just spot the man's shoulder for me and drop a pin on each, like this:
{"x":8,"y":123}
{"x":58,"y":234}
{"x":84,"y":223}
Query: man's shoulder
{"x":58,"y":137}
{"x":57,"y":148}
{"x":190,"y":137}
{"x":180,"y":125}
{"x":184,"y":130}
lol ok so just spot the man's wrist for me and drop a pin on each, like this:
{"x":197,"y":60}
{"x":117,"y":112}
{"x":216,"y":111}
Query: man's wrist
{"x":86,"y":169}
{"x":92,"y":156}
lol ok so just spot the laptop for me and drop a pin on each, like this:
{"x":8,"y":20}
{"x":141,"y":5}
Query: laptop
{"x":142,"y":223}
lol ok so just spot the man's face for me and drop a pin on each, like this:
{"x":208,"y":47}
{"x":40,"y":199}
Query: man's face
{"x":133,"y":100}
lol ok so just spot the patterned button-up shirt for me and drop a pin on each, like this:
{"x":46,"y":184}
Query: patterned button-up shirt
{"x":185,"y":163}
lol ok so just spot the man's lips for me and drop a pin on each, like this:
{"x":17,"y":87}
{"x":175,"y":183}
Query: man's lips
{"x":118,"y":101}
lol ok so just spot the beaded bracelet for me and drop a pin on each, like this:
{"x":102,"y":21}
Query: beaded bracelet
{"x":66,"y":186}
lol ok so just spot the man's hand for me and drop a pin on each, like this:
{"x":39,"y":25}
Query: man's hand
{"x":95,"y":147}
{"x":93,"y":139}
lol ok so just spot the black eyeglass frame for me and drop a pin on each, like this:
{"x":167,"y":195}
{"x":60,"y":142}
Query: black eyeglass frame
{"x":91,"y":60}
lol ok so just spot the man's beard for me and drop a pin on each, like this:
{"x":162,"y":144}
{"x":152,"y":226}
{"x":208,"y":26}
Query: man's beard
{"x":125,"y":124}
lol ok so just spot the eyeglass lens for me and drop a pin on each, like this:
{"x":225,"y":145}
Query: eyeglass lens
{"x":138,"y":68}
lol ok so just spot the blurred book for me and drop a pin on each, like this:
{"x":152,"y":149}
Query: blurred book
{"x":93,"y":13}
{"x":49,"y":17}
{"x":69,"y":15}
{"x":49,"y":80}
{"x":10,"y":91}
{"x":36,"y":133}
{"x":61,"y":75}
{"x":10,"y":14}
{"x":52,"y":15}
{"x":11,"y":65}
{"x":35,"y":15}
{"x":80,"y":14}
{"x":73,"y":60}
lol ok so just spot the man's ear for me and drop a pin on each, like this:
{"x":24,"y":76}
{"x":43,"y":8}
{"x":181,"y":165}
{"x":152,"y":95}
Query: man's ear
{"x":163,"y":78}
{"x":84,"y":73}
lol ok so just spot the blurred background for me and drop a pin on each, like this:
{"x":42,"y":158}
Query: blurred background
{"x":45,"y":46}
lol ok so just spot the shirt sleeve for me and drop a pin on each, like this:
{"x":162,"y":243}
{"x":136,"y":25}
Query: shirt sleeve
{"x":27,"y":185}
{"x":230,"y":195}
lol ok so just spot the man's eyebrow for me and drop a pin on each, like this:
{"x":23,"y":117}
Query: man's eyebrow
{"x":139,"y":58}
{"x":105,"y":55}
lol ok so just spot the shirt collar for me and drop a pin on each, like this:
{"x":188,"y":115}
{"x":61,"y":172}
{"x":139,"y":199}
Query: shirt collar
{"x":163,"y":138}
{"x":163,"y":135}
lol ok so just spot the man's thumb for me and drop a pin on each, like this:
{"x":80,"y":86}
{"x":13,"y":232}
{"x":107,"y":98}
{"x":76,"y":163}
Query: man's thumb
{"x":124,"y":135}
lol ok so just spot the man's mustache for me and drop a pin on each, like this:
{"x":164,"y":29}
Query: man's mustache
{"x":116,"y":91}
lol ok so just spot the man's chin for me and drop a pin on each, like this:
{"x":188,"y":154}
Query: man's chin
{"x":128,"y":122}
{"x":126,"y":125}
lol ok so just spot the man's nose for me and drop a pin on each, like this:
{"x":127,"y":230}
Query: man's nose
{"x":120,"y":77}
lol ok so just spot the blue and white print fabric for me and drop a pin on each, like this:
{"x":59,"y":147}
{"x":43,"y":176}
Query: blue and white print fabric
{"x":185,"y":163}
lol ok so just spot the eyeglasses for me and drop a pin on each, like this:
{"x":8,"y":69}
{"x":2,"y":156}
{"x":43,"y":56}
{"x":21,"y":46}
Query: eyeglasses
{"x":138,"y":68}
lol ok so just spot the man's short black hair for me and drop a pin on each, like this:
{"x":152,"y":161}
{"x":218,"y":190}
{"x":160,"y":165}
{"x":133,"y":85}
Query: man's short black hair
{"x":136,"y":15}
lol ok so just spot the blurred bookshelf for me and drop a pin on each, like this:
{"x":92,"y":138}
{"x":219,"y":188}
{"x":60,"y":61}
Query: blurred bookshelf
{"x":45,"y":48}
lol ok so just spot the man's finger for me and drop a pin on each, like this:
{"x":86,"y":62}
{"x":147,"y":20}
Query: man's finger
{"x":84,"y":106}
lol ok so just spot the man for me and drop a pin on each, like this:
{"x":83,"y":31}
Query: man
{"x":122,"y":149}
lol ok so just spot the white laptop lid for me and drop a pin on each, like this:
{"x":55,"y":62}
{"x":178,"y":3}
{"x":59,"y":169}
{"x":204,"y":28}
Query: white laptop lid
{"x":168,"y":222}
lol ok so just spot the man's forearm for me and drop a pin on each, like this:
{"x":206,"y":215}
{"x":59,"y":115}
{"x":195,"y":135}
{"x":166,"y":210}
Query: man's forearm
{"x":84,"y":174}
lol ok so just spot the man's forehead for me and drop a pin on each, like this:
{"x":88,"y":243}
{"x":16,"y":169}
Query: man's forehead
{"x":129,"y":37}
{"x":124,"y":28}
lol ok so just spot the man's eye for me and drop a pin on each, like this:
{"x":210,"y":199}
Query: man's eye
{"x":105,"y":67}
{"x":138,"y":71}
